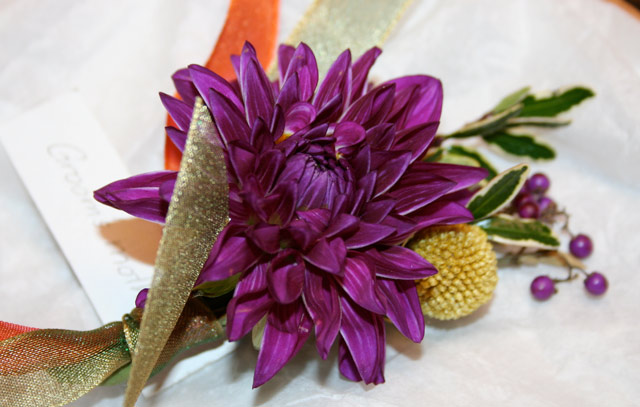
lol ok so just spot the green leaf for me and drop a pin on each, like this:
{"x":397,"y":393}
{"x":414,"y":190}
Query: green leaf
{"x":488,"y":125}
{"x":119,"y":376}
{"x":217,"y":288}
{"x":435,"y":156}
{"x":458,"y":159}
{"x":498,"y":192}
{"x":519,"y":232}
{"x":511,"y":99}
{"x":522,"y":145}
{"x":472,"y":153}
{"x":537,"y":122}
{"x":558,"y":102}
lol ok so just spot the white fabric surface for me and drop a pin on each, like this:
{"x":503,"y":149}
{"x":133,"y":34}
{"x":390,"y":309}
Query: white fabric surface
{"x":571,"y":350}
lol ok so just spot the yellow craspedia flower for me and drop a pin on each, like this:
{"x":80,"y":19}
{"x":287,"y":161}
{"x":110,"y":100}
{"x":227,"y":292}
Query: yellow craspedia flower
{"x":467,"y":270}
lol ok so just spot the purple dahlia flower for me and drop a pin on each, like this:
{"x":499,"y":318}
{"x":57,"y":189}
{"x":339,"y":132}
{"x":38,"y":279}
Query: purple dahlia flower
{"x":324,"y":184}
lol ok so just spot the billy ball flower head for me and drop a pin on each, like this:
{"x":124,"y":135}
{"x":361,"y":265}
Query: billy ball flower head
{"x":324,"y":184}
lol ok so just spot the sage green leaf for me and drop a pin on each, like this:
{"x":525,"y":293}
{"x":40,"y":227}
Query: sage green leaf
{"x":458,"y":159}
{"x":522,"y":145}
{"x":217,"y":288}
{"x":118,"y":377}
{"x":487,"y":125}
{"x":537,"y":122}
{"x":510,"y":230}
{"x":479,"y":158}
{"x":435,"y":156}
{"x":559,"y":101}
{"x":498,"y":192}
{"x":511,"y":99}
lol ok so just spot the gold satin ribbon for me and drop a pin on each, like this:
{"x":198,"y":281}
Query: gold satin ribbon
{"x":53,"y":367}
{"x":331,"y":26}
{"x":197,"y":214}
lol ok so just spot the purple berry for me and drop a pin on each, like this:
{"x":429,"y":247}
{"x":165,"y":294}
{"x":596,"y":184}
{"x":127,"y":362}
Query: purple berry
{"x":141,"y":299}
{"x":596,"y":283}
{"x":538,"y":183}
{"x":529,"y":210}
{"x":542,"y":287}
{"x":544,"y":203}
{"x":581,"y":246}
{"x":522,"y":198}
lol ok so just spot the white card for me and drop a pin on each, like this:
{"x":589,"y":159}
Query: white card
{"x":62,"y":155}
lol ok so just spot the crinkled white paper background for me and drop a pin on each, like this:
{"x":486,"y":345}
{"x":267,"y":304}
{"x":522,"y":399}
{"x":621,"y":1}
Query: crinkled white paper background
{"x":572,"y":350}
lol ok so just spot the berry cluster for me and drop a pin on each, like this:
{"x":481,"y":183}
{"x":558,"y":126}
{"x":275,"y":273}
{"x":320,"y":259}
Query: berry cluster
{"x":533,"y":203}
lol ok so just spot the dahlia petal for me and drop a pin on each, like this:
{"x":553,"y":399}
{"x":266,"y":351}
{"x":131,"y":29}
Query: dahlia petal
{"x":361,"y":162}
{"x":381,"y":136}
{"x":323,"y":256}
{"x":363,"y":333}
{"x":334,"y":80}
{"x":416,"y":139}
{"x":179,"y":111}
{"x":329,"y":110}
{"x":299,"y":116}
{"x":276,"y":128}
{"x":270,"y":163}
{"x":259,"y":135}
{"x":368,"y":234}
{"x":403,"y":307}
{"x":302,"y":234}
{"x":368,"y":184}
{"x":342,"y":224}
{"x":400,"y":263}
{"x":184,"y":85}
{"x":177,"y":137}
{"x":361,"y":69}
{"x":339,"y":205}
{"x":360,"y":283}
{"x":278,"y":347}
{"x":346,"y":363}
{"x":425,"y":104}
{"x":204,"y":79}
{"x":390,"y":173}
{"x":347,"y":134}
{"x":256,"y":92}
{"x":244,"y":312}
{"x":402,"y":105}
{"x":376,"y":211}
{"x":286,"y":276}
{"x":315,"y":195}
{"x":462,"y":196}
{"x":442,"y":213}
{"x":303,"y":63}
{"x":413,"y":197}
{"x":253,"y":281}
{"x":285,"y":53}
{"x":266,"y":237}
{"x":322,"y":302}
{"x":464,"y":176}
{"x":286,"y":203}
{"x":372,"y":108}
{"x":138,"y":195}
{"x":247,"y":54}
{"x":317,"y":219}
{"x":340,"y":251}
{"x":242,"y":160}
{"x":288,"y":93}
{"x":235,"y":256}
{"x":404,"y":226}
{"x":166,"y":189}
{"x":230,"y":121}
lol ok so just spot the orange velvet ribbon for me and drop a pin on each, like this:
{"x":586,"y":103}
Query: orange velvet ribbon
{"x":255,"y":21}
